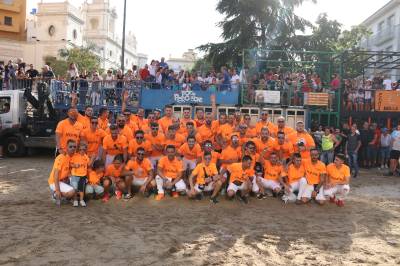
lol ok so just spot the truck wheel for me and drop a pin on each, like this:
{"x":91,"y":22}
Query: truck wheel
{"x":14,"y":147}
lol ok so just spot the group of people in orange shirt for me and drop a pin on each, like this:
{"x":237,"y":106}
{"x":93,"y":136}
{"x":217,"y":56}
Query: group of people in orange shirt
{"x":193,"y":157}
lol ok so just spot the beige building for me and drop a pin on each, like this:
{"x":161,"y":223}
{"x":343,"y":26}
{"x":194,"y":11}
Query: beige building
{"x":12,"y":28}
{"x":186,"y":62}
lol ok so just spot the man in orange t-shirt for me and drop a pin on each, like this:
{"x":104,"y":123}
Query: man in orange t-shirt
{"x":295,"y":173}
{"x":311,"y":185}
{"x":141,"y":170}
{"x":265,"y":144}
{"x":83,"y":119}
{"x":232,"y":153}
{"x":274,"y":173}
{"x":68,"y":129}
{"x":224,"y":132}
{"x":146,"y":127}
{"x":207,"y":179}
{"x":94,"y":188}
{"x":60,"y":173}
{"x":93,"y":136}
{"x":282,"y":127}
{"x":169,"y":174}
{"x":284,"y":148}
{"x":103,"y":118}
{"x":156,"y":139}
{"x":123,"y":129}
{"x":113,"y":145}
{"x":166,"y":120}
{"x":337,"y":185}
{"x":172,"y":138}
{"x":265,"y":123}
{"x":251,"y":130}
{"x":206,"y":131}
{"x":139,"y":142}
{"x":190,"y":153}
{"x":302,"y":141}
{"x":116,"y":180}
{"x":184,"y":120}
{"x":239,"y":178}
{"x":208,"y":147}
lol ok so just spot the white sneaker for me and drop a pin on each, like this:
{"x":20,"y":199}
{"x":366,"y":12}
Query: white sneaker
{"x":75,"y":204}
{"x":386,"y":167}
{"x":83,"y":203}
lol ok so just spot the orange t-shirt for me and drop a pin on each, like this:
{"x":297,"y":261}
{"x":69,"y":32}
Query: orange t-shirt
{"x":103,"y":123}
{"x":237,"y":173}
{"x":132,"y":126}
{"x":270,"y":145}
{"x":271,"y":127}
{"x":164,"y":123}
{"x":206,"y":133}
{"x":182,"y":128}
{"x":336,"y":175}
{"x":225,"y":131}
{"x":177,"y":141}
{"x":83,"y":161}
{"x":314,"y":171}
{"x":273,"y":172}
{"x":284,"y":150}
{"x":115,"y":147}
{"x":155,"y":141}
{"x":231,"y":153}
{"x":133,"y":146}
{"x":201,"y":169}
{"x":68,"y":131}
{"x":84,"y":120}
{"x":190,"y":154}
{"x":294,"y":174}
{"x":61,"y":163}
{"x":94,"y":178}
{"x":93,"y":139}
{"x":243,"y":139}
{"x":296,"y":137}
{"x":215,"y":156}
{"x":287,"y":130}
{"x":140,"y":169}
{"x":171,"y":169}
{"x":113,"y":172}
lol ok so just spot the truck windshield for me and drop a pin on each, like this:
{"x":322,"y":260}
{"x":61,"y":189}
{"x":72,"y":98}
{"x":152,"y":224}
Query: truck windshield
{"x":5,"y":105}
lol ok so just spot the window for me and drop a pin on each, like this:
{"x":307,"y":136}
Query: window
{"x":5,"y":105}
{"x":110,"y":53}
{"x":52,"y":30}
{"x":74,"y":34}
{"x":390,"y":21}
{"x":94,"y":22}
{"x":380,"y":26}
{"x":8,"y":21}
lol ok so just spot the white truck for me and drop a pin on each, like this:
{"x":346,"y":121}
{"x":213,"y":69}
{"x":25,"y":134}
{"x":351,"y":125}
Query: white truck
{"x":26,"y":121}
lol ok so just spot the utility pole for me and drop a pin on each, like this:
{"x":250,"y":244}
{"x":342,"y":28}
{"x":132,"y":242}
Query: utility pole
{"x":123,"y":41}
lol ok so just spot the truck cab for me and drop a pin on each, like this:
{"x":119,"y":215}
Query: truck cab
{"x":18,"y":125}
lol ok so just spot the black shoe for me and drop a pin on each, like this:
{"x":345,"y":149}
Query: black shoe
{"x":199,"y":197}
{"x":260,"y":196}
{"x":214,"y":200}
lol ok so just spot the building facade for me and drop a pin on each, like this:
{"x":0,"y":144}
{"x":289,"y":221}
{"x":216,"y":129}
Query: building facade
{"x":186,"y":62}
{"x":384,"y":25}
{"x":61,"y":25}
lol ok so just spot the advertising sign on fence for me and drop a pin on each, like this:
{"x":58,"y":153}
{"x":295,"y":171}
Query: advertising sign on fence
{"x":316,"y":98}
{"x":387,"y":101}
{"x":273,"y":97}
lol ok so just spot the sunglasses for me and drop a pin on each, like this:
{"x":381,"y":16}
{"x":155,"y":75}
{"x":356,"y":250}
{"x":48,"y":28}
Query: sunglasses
{"x":154,"y":128}
{"x":139,"y":137}
{"x":72,"y":146}
{"x":208,"y":145}
{"x":140,"y":153}
{"x":95,"y":123}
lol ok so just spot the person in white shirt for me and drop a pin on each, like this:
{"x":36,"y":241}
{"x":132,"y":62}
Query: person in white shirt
{"x":235,"y":80}
{"x":386,"y":140}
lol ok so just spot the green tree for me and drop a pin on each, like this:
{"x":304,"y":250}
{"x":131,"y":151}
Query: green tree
{"x":83,"y":57}
{"x":252,"y":24}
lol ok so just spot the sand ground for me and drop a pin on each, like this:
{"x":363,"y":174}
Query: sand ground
{"x":33,"y":231}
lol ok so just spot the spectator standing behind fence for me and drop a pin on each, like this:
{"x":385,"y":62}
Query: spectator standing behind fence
{"x":144,"y":73}
{"x":47,"y":73}
{"x":395,"y":152}
{"x":95,"y":89}
{"x":353,"y":145}
{"x":73,"y":75}
{"x":367,"y":136}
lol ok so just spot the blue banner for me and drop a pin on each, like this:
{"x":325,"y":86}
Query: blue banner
{"x":152,"y":98}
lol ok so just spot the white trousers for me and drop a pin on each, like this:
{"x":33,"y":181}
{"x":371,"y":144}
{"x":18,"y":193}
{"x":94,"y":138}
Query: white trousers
{"x":189,"y":164}
{"x":339,"y":191}
{"x":138,"y":182}
{"x":235,"y":188}
{"x":306,"y":190}
{"x":64,"y":188}
{"x":207,"y":188}
{"x":294,"y":187}
{"x":180,"y":185}
{"x":266,"y":183}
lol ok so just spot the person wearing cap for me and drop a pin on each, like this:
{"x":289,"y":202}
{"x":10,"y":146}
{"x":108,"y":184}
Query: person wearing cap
{"x":302,"y":141}
{"x":265,"y":123}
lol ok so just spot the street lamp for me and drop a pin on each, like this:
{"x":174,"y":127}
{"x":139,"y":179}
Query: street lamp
{"x":123,"y":40}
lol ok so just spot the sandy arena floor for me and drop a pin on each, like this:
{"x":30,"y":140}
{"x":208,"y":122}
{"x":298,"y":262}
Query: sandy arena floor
{"x":33,"y":231}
